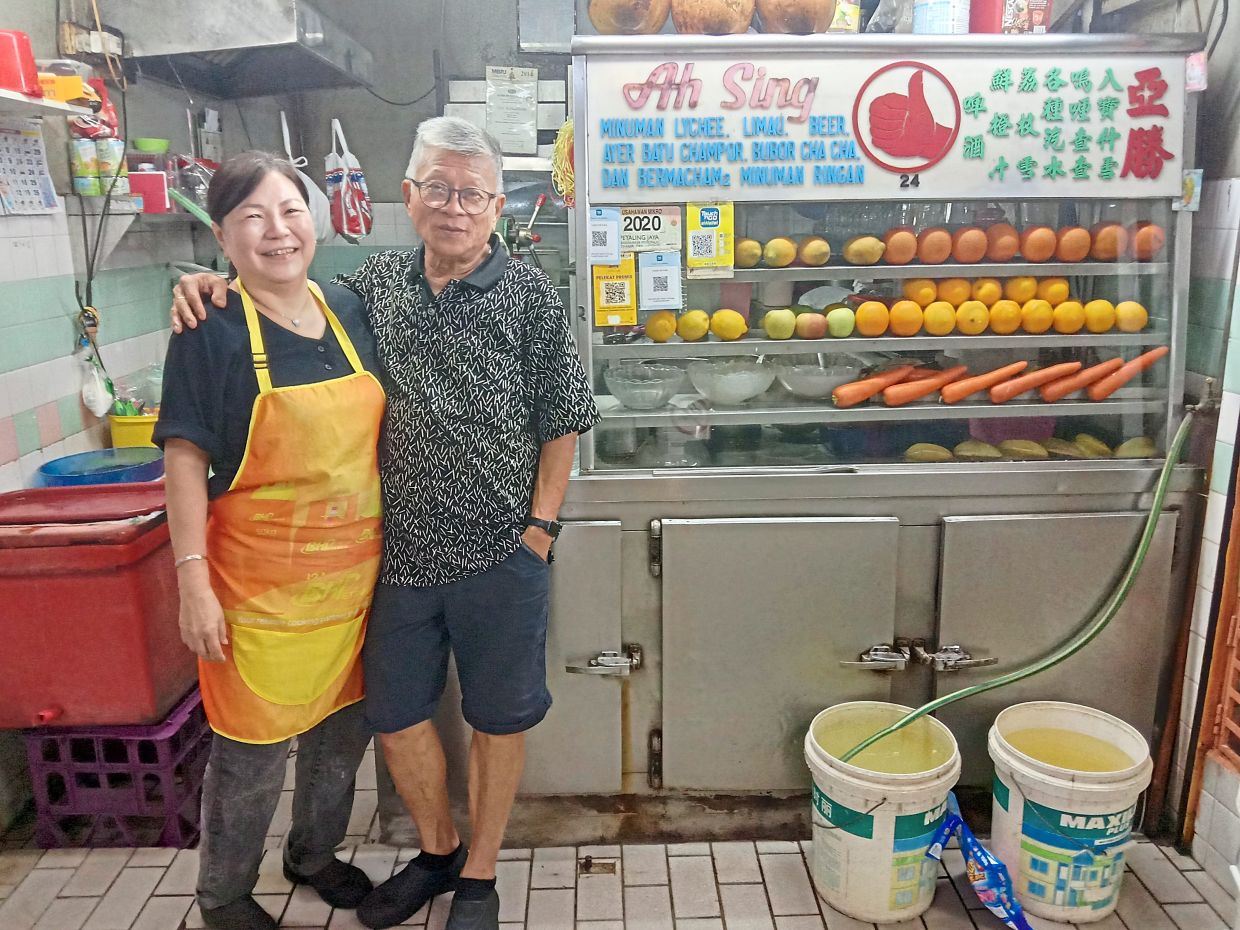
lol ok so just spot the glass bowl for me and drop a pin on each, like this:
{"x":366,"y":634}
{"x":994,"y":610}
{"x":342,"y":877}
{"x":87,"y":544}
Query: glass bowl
{"x":731,"y":381}
{"x":643,"y":385}
{"x":811,"y":377}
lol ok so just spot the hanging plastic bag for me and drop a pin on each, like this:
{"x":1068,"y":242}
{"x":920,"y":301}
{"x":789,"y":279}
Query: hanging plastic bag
{"x":97,"y":390}
{"x":346,"y":189}
{"x":320,"y":206}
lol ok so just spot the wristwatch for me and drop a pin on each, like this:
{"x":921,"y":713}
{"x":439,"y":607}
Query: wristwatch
{"x":550,"y":527}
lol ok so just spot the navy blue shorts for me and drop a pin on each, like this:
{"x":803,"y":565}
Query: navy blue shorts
{"x":494,"y":623}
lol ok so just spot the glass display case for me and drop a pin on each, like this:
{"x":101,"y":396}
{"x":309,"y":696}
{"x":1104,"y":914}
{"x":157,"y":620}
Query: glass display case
{"x":835,"y":251}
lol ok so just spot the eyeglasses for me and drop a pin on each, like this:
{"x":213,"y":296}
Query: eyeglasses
{"x":436,"y":195}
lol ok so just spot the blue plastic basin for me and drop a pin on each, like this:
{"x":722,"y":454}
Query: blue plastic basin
{"x":104,"y":466}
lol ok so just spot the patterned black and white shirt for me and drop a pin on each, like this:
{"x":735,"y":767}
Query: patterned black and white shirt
{"x":478,"y":377}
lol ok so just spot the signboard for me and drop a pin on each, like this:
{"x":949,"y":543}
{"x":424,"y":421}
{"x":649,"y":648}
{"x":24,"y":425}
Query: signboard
{"x":738,"y":127}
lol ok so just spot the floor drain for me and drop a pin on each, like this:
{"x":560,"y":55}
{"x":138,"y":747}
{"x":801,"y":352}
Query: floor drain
{"x":588,"y":865}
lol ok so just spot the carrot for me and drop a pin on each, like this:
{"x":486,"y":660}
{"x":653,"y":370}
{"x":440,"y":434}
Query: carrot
{"x":918,"y":373}
{"x":1100,"y":390}
{"x":1002,"y":393}
{"x":900,"y":394}
{"x":853,"y":393}
{"x":959,"y":390}
{"x":1058,"y":390}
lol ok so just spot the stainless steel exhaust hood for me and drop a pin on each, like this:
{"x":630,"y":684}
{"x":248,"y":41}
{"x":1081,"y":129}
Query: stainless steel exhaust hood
{"x":240,"y":48}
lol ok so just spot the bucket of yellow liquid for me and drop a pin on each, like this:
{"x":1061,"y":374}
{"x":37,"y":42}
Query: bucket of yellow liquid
{"x":1067,"y":781}
{"x":874,"y":817}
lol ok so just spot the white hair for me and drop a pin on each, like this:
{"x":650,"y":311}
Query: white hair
{"x":453,"y":134}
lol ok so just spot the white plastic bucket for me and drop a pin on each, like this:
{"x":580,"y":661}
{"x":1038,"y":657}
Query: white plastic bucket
{"x":872,"y":830}
{"x":1061,"y":833}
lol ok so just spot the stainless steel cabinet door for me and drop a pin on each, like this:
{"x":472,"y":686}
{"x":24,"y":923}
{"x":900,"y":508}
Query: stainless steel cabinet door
{"x":577,"y":748}
{"x":757,"y":615}
{"x":1015,"y":587}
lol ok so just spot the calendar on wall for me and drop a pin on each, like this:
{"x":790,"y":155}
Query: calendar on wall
{"x":25,"y":182}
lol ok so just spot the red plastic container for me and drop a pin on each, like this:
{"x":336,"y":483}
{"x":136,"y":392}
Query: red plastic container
{"x":88,"y":608}
{"x":17,"y":67}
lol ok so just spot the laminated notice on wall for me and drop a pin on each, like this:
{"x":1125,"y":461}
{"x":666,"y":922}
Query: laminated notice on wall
{"x":708,"y":240}
{"x":650,"y":229}
{"x":603,"y":231}
{"x":512,"y":108}
{"x":658,"y":276}
{"x":615,"y":293}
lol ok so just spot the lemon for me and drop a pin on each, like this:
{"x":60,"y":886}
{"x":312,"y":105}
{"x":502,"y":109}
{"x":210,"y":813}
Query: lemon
{"x":1053,"y":290}
{"x":728,"y":325}
{"x":923,"y":291}
{"x":1069,"y":317}
{"x":940,"y":318}
{"x":748,"y":253}
{"x":661,"y":326}
{"x":1036,"y":316}
{"x":1099,"y":316}
{"x":987,"y":290}
{"x":955,"y":291}
{"x":1131,"y":317}
{"x":972,"y":317}
{"x":779,"y":252}
{"x":814,"y":251}
{"x":1004,"y":317}
{"x":693,"y":325}
{"x":1020,"y":289}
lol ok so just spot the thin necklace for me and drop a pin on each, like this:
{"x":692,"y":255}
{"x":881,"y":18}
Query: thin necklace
{"x":296,"y":321}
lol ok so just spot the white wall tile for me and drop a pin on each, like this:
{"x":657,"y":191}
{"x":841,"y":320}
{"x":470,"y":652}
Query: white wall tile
{"x":1209,"y":564}
{"x":1196,"y":654}
{"x":1214,"y":253}
{"x":1216,"y":510}
{"x":10,"y":478}
{"x":29,"y":465}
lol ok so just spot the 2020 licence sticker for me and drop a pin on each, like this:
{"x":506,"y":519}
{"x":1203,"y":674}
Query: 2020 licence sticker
{"x":650,"y":229}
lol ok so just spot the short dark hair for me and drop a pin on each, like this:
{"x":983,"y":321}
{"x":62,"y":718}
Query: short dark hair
{"x":236,"y":179}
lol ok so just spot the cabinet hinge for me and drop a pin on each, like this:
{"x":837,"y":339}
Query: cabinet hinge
{"x":655,"y":552}
{"x":654,"y":759}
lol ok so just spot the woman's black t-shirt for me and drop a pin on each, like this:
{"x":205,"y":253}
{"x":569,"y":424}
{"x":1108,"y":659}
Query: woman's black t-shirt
{"x":209,"y":380}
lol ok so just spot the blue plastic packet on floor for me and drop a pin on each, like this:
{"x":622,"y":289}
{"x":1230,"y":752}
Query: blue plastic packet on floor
{"x":988,"y":876}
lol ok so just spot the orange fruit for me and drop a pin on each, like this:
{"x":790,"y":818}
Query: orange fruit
{"x":968,"y":245}
{"x":1004,"y":317}
{"x":906,"y":317}
{"x":1147,"y":240}
{"x":922,"y":290}
{"x":940,"y":318}
{"x":1053,"y":290}
{"x":1037,"y":243}
{"x":1110,"y":242}
{"x":1002,"y":242}
{"x":987,"y":290}
{"x":972,"y":317}
{"x":1020,"y":289}
{"x":1069,"y":317}
{"x":1131,"y":317}
{"x":1099,"y":316}
{"x":872,"y":318}
{"x":1036,"y":316}
{"x":901,"y":245}
{"x":955,"y":290}
{"x":1073,"y":245}
{"x":934,"y":245}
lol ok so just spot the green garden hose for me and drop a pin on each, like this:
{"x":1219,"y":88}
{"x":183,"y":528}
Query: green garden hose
{"x":1096,"y":625}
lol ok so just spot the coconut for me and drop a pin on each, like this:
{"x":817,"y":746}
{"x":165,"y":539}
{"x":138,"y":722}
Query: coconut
{"x":629,"y":17}
{"x":797,"y":16}
{"x":712,"y":17}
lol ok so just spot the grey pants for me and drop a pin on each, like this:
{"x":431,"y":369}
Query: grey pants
{"x":240,"y":793}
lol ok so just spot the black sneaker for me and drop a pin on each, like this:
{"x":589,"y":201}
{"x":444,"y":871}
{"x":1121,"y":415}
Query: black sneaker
{"x":474,"y":915}
{"x":242,"y":914}
{"x":406,"y":892}
{"x":338,"y":883}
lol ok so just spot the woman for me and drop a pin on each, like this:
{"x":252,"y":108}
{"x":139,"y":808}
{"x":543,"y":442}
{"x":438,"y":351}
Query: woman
{"x":270,"y":423}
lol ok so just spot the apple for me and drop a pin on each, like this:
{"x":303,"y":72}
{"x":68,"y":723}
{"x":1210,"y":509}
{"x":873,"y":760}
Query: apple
{"x":811,"y":326}
{"x":841,"y":322}
{"x":779,"y":324}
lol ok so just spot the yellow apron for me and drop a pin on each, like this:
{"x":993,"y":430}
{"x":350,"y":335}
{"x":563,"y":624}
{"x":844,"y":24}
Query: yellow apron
{"x":294,"y":549}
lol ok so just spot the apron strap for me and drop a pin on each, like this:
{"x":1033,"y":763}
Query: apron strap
{"x":258,"y":349}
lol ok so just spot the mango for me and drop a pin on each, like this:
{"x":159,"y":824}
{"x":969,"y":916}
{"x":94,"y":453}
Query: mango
{"x":1092,"y":446}
{"x":974,"y":450}
{"x":927,"y":452}
{"x":1140,"y":447}
{"x":1025,"y":449}
{"x":1063,"y":449}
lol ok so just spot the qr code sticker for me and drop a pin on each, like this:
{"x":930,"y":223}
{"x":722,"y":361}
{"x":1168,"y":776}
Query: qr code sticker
{"x":615,"y":293}
{"x":701,"y":245}
{"x":599,"y":238}
{"x":660,"y":283}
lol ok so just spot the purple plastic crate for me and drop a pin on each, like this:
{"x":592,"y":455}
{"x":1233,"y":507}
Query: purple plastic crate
{"x":121,"y":786}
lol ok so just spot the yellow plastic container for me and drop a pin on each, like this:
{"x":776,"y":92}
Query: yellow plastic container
{"x":132,"y":431}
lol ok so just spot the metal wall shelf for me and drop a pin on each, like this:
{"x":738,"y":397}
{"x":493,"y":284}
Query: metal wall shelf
{"x":836,"y":272}
{"x":686,"y":408}
{"x":758,"y":345}
{"x":14,"y":104}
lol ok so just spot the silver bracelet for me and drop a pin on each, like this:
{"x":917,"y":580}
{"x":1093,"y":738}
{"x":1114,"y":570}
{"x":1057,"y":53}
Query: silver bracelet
{"x":192,"y":557}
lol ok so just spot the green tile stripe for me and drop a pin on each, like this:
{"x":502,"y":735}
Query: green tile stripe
{"x":70,"y":414}
{"x":27,"y":428}
{"x":1220,"y":467}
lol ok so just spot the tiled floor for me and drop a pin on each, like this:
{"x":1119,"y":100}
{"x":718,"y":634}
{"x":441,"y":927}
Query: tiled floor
{"x":686,"y":886}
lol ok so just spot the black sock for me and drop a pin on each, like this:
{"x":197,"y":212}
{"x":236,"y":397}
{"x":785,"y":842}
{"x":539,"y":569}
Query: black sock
{"x":474,"y":889}
{"x":435,"y":863}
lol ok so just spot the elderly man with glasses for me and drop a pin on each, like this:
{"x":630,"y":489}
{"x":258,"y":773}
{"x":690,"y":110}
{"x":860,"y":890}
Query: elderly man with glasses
{"x":486,"y":396}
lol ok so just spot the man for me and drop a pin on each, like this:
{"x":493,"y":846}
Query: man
{"x":486,"y":397}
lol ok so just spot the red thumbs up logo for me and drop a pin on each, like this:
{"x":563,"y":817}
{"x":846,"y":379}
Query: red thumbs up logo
{"x":906,"y":117}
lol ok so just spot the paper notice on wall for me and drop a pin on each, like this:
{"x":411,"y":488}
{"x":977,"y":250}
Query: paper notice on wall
{"x":615,"y":293}
{"x":512,"y":108}
{"x":25,"y":182}
{"x":658,"y":276}
{"x":650,"y":229}
{"x":603,"y":232}
{"x":708,"y":240}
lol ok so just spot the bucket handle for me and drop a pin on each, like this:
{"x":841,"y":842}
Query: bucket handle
{"x":1109,"y":853}
{"x":857,"y":819}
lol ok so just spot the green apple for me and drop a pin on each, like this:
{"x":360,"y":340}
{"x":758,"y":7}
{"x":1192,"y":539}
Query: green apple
{"x":779,"y":324}
{"x":841,"y":322}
